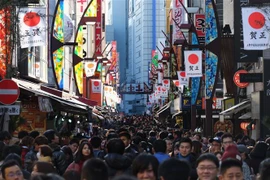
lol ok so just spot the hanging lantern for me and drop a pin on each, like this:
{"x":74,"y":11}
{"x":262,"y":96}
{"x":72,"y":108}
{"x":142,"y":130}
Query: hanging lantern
{"x":244,"y":126}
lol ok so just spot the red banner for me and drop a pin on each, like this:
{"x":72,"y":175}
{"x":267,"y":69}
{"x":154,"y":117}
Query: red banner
{"x":98,"y":38}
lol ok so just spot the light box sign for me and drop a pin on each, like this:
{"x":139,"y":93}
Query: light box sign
{"x":98,"y":38}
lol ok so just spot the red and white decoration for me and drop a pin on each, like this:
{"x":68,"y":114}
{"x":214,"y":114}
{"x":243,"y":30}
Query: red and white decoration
{"x":176,"y":83}
{"x":183,"y":80}
{"x":164,"y":92}
{"x":96,"y":86}
{"x":256,"y":27}
{"x":193,"y":63}
{"x":32,"y":26}
{"x":90,"y":68}
{"x":179,"y":18}
{"x":166,"y":83}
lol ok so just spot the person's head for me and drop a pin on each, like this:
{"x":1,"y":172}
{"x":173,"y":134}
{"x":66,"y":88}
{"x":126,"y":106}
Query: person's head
{"x":259,"y":150}
{"x":169,"y":144}
{"x":185,"y":146}
{"x":11,"y":171}
{"x":197,"y":136}
{"x":15,"y":157}
{"x":231,"y":169}
{"x":231,"y":151}
{"x":160,"y":146}
{"x":125,"y":137}
{"x":163,"y":134}
{"x":226,"y":140}
{"x":145,"y":167}
{"x":207,"y":166}
{"x":34,"y":134}
{"x":84,"y":152}
{"x":68,"y":153}
{"x":177,"y":134}
{"x":43,"y":167}
{"x":116,"y":145}
{"x":45,"y":150}
{"x":11,"y":149}
{"x":74,"y":144}
{"x":196,"y":147}
{"x":50,"y":176}
{"x":172,"y":169}
{"x":94,"y":169}
{"x":264,"y":170}
{"x":51,"y":136}
{"x":27,"y":141}
{"x":96,"y":142}
{"x":5,"y":137}
{"x":243,"y":150}
{"x":40,"y":140}
{"x":218,"y":154}
{"x":71,"y":175}
{"x":124,"y":177}
{"x":175,"y":148}
{"x":22,"y":134}
{"x":215,"y":144}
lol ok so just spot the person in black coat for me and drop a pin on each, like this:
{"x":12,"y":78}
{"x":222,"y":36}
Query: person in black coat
{"x":115,"y":160}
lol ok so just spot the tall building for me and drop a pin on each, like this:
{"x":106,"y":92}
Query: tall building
{"x":146,"y":20}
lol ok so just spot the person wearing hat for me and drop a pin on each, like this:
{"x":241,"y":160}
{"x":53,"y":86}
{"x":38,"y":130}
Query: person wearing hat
{"x":215,"y":145}
{"x":231,"y":152}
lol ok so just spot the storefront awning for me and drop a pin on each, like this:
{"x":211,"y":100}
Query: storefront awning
{"x":163,"y":108}
{"x":175,"y":114}
{"x":245,"y":116}
{"x":236,"y":108}
{"x":35,"y":88}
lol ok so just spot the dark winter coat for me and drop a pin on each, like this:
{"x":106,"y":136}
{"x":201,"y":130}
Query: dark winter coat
{"x":29,"y":160}
{"x":59,"y":158}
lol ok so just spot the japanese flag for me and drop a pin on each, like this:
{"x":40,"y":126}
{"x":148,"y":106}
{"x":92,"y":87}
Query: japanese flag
{"x":164,"y":92}
{"x":256,"y":23}
{"x":90,"y":68}
{"x":193,"y":63}
{"x":183,"y":80}
{"x":96,"y":86}
{"x":166,"y":83}
{"x":176,"y":83}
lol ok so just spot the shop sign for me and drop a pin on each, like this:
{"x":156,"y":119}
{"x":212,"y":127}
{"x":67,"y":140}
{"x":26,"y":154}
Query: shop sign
{"x":236,"y":79}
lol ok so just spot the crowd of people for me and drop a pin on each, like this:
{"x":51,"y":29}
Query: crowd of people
{"x":137,"y":148}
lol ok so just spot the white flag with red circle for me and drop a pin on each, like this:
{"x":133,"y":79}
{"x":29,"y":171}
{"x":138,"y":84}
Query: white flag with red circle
{"x":166,"y":83}
{"x":193,"y":63}
{"x":176,"y":83}
{"x":256,"y":27}
{"x":32,"y":26}
{"x":96,"y":86}
{"x":183,"y":80}
{"x":164,"y":92}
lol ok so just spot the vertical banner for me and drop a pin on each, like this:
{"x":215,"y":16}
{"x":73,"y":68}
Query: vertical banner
{"x":179,"y":17}
{"x":89,"y":68}
{"x":154,"y":64}
{"x":183,"y":80}
{"x":266,"y":93}
{"x":32,"y":26}
{"x":96,"y":86}
{"x":166,"y":83}
{"x":256,"y":27}
{"x":200,"y":27}
{"x":211,"y":60}
{"x":5,"y":48}
{"x":193,"y":63}
{"x":98,"y":28}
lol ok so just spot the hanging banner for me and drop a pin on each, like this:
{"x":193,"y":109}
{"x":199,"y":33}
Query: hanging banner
{"x":176,"y":83}
{"x":200,"y":27}
{"x":32,"y":26}
{"x":256,"y":27}
{"x":179,"y":18}
{"x":183,"y":80}
{"x":96,"y":86}
{"x":90,"y":68}
{"x":166,"y":83}
{"x":193,"y":63}
{"x":98,"y":28}
{"x":154,"y":64}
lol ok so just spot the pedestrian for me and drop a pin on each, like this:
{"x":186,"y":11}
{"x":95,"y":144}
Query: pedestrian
{"x":95,"y":169}
{"x":231,"y":169}
{"x":174,"y":169}
{"x":43,"y":167}
{"x":160,"y":148}
{"x":72,"y":175}
{"x":207,"y":167}
{"x":45,"y":154}
{"x":264,"y":170}
{"x":145,"y":166}
{"x":10,"y":170}
{"x":84,"y":153}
